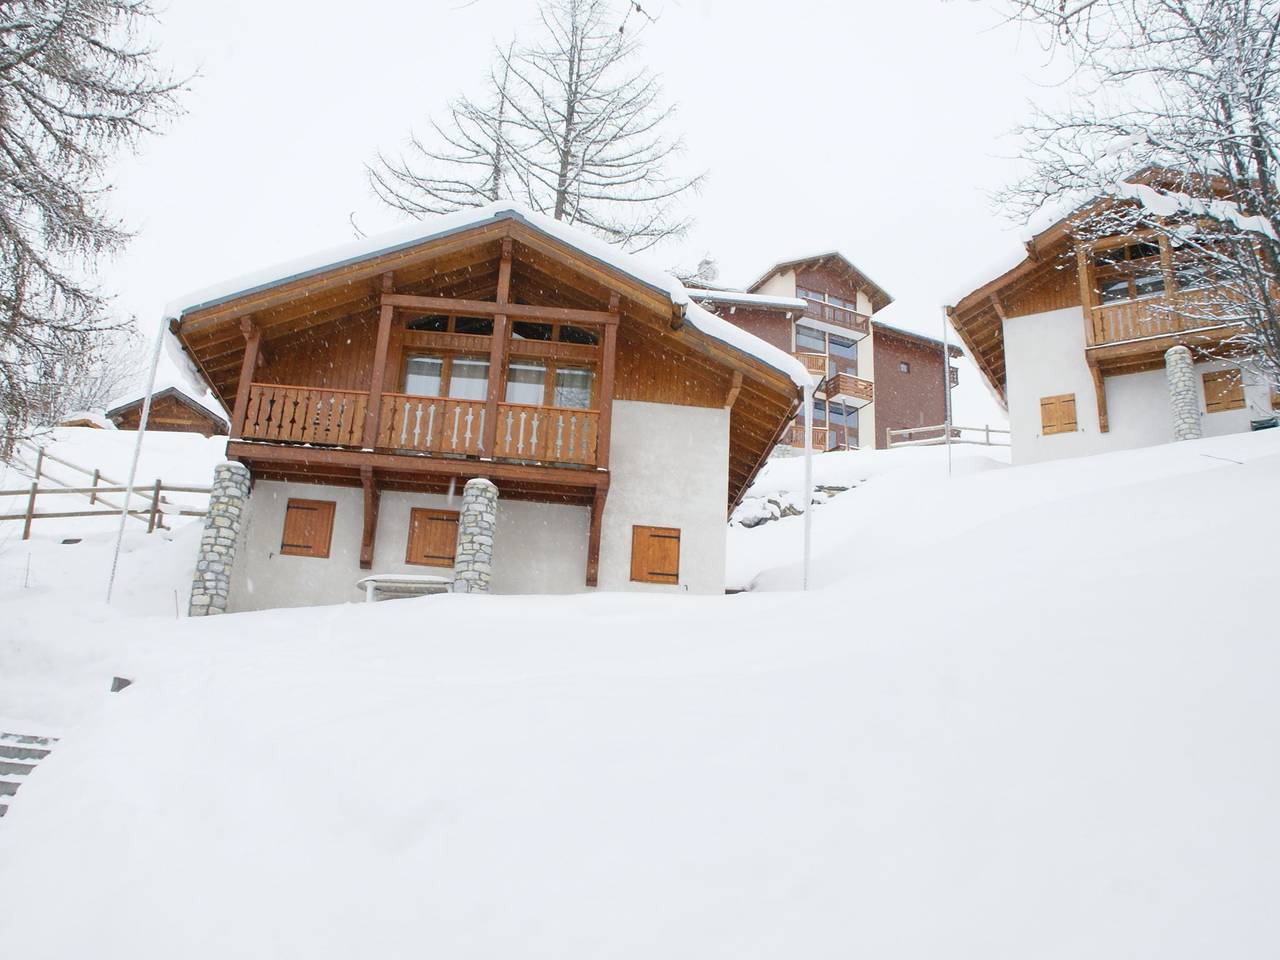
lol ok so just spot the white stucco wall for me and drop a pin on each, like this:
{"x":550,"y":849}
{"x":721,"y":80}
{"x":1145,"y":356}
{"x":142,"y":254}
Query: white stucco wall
{"x":867,"y":371}
{"x":780,"y":285}
{"x":669,"y":468}
{"x":1045,"y":356}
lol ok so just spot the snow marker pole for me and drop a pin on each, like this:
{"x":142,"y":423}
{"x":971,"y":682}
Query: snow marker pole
{"x":137,"y":452}
{"x":808,"y":481}
{"x":946,"y":382}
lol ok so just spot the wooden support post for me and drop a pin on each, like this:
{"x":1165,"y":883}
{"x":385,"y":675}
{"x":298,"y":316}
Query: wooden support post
{"x":373,"y":413}
{"x":608,"y":364}
{"x":93,"y":497}
{"x":735,"y":387}
{"x":1086,"y":294}
{"x":248,"y":366}
{"x":155,"y":507}
{"x":372,"y":499}
{"x":31,"y":511}
{"x":593,"y":537}
{"x":1100,"y":392}
{"x":39,"y":462}
{"x":498,"y":354}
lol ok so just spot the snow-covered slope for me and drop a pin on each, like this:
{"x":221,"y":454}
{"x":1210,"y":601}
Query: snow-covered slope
{"x":1030,"y":712}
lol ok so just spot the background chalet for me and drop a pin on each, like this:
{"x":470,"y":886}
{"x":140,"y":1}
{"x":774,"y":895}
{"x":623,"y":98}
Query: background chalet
{"x":618,"y":420}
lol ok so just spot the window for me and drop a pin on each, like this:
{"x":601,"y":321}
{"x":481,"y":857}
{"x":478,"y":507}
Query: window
{"x":429,"y":324}
{"x":904,"y":366}
{"x":809,"y":340}
{"x":477,"y":326}
{"x":655,"y":555}
{"x":1223,"y":390}
{"x":840,"y":347}
{"x":422,"y":376}
{"x":524,"y":330}
{"x":573,"y":388}
{"x":526,"y":382}
{"x":1058,"y":414}
{"x":570,"y":334}
{"x":469,"y":378}
{"x":433,"y":537}
{"x":308,"y":528}
{"x":1128,"y":272}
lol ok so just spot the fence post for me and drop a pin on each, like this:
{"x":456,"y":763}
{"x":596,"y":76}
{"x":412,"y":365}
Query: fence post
{"x":93,"y":497}
{"x":988,"y":434}
{"x":39,"y":461}
{"x":31,"y":511}
{"x":155,"y":507}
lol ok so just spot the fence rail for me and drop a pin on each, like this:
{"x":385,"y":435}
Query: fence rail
{"x":152,"y":515}
{"x":918,"y":436}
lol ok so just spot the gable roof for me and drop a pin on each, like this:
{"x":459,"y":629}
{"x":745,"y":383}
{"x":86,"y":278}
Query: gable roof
{"x":879,"y":325}
{"x":756,"y":301}
{"x":880,"y":297}
{"x":202,"y":408}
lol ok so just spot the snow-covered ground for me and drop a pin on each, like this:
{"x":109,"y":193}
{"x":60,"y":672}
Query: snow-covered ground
{"x":1025,"y":712}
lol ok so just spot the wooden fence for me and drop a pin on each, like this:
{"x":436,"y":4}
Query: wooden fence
{"x":935,"y":435}
{"x":101,"y":487}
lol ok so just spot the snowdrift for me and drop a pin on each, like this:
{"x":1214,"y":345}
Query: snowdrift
{"x":1029,"y":712}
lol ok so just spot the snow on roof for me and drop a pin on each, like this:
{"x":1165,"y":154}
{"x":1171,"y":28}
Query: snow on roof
{"x":915,"y":335}
{"x":749,"y":299}
{"x":96,"y":417}
{"x":780,"y":264}
{"x":434,"y":228}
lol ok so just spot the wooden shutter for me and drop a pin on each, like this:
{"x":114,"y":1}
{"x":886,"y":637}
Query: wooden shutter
{"x":1275,"y":399}
{"x":433,"y":537}
{"x":308,"y":528}
{"x":1223,"y":390}
{"x":1058,"y":414}
{"x":655,"y":555}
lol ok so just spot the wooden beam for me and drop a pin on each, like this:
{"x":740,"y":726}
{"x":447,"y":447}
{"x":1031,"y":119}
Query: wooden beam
{"x":1100,"y":394}
{"x":735,"y":388}
{"x":373,"y":413}
{"x":1086,"y":293}
{"x":498,"y":353}
{"x":677,"y":317}
{"x":593,"y":536}
{"x":371,"y":503}
{"x":252,"y":343}
{"x":487,"y":308}
{"x":608,"y":366}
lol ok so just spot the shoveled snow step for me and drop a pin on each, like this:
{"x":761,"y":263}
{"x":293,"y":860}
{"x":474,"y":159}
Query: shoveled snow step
{"x":19,"y":754}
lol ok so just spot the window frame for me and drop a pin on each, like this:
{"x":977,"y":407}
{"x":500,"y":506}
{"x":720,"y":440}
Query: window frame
{"x":327,"y":510}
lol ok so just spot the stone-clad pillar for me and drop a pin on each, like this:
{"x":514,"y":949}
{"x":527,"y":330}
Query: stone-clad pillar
{"x":1184,"y":399}
{"x":218,"y":542}
{"x":473,"y":559}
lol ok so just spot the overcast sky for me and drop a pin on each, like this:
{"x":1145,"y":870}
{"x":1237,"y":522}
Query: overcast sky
{"x":875,"y":127}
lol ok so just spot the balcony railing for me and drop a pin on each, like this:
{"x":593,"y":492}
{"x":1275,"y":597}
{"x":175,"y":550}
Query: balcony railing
{"x":850,"y":389}
{"x":438,"y":426}
{"x":851,"y":320}
{"x":1156,"y":316}
{"x":815,"y":363}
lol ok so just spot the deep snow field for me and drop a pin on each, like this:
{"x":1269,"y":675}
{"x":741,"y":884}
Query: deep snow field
{"x":1022,"y":713}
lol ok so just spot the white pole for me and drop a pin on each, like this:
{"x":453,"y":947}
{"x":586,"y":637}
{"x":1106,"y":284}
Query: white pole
{"x":808,"y":481}
{"x":946,"y":380}
{"x":137,"y":452}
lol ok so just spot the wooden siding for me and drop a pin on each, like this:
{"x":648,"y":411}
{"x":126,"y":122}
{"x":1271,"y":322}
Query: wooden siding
{"x":169,"y":414}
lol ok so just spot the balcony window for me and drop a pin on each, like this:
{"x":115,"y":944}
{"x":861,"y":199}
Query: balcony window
{"x":469,"y":378}
{"x":573,"y":388}
{"x":431,"y":324}
{"x":1128,"y":272}
{"x":840,"y":347}
{"x":526,"y":382}
{"x":422,"y":376}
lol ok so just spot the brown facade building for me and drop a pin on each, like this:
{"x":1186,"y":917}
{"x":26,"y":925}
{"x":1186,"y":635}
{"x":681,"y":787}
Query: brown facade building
{"x":172,"y":410}
{"x":876,"y":377}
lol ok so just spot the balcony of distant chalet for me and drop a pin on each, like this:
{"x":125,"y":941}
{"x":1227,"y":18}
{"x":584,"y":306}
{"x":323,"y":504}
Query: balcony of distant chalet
{"x":470,"y":375}
{"x":836,"y":311}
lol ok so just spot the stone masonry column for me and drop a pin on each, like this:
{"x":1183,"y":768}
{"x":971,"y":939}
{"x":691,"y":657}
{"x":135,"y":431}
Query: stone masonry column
{"x":218,"y":541}
{"x":1184,"y":399}
{"x":473,"y":559}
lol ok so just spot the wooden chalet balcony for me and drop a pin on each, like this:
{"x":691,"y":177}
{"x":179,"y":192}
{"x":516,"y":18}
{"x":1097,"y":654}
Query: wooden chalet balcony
{"x":1157,"y":316}
{"x":440,"y":426}
{"x":858,"y":324}
{"x":815,"y":363}
{"x":849,"y":389}
{"x":794,"y":437}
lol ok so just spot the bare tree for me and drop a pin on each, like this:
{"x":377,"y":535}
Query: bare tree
{"x":76,"y":85}
{"x":569,"y":124}
{"x":1185,"y":93}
